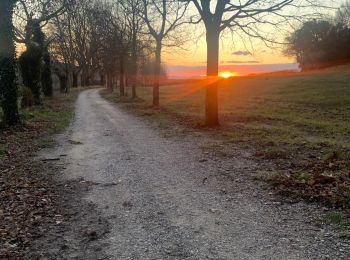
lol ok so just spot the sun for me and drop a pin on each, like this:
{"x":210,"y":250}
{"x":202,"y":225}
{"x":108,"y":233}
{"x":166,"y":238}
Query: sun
{"x":227,"y":74}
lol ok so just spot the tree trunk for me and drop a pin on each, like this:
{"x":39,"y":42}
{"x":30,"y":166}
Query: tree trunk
{"x":121,"y":78}
{"x":134,"y":64}
{"x":211,"y":105}
{"x":87,"y":79}
{"x":114,"y":81}
{"x":102,"y":79}
{"x":110,"y":82}
{"x":8,"y":85}
{"x":126,"y":84}
{"x":82,"y":79}
{"x":46,"y":79}
{"x":69,"y":74}
{"x":133,"y":88}
{"x":63,"y":83}
{"x":75,"y":79}
{"x":157,"y":74}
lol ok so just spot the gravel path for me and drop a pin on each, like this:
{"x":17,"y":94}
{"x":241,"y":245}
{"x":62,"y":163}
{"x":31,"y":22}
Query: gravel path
{"x":170,"y":198}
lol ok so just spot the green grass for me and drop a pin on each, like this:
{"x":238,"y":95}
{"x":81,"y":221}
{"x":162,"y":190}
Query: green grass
{"x":336,"y":220}
{"x":48,"y":143}
{"x":301,"y":121}
{"x":346,"y":193}
{"x":58,"y":119}
{"x":38,"y":125}
{"x":310,"y":112}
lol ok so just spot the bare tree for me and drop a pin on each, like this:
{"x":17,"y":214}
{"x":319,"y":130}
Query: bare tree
{"x":132,"y":8}
{"x":162,"y":19}
{"x":245,"y":17}
{"x":343,"y":14}
{"x":31,"y":18}
{"x":120,"y":22}
{"x":31,"y":14}
{"x":63,"y":51}
{"x":109,"y":37}
{"x":77,"y":41}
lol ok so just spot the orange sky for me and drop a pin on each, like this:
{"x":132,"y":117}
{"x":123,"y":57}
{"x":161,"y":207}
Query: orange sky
{"x":238,"y":53}
{"x":235,"y":56}
{"x":195,"y":55}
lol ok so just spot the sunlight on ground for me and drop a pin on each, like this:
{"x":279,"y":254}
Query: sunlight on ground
{"x":281,"y":108}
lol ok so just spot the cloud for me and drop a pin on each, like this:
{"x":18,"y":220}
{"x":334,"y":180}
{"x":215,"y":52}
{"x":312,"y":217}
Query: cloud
{"x":241,"y":62}
{"x":242,"y":53}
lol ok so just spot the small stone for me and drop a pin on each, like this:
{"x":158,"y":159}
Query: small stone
{"x":214,"y":210}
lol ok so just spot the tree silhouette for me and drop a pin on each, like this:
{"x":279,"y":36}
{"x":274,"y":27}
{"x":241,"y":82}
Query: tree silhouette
{"x":318,"y":44}
{"x":162,"y":17}
{"x":245,"y":16}
{"x":8,"y":85}
{"x":35,"y":61}
{"x":343,"y":14}
{"x":31,"y":62}
{"x":132,"y":8}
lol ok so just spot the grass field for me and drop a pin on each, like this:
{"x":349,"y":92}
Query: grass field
{"x":302,"y":122}
{"x":312,"y":112}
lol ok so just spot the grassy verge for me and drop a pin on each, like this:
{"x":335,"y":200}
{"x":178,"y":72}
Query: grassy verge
{"x":299,"y":122}
{"x":337,"y":220}
{"x":38,"y":126}
{"x":27,"y":193}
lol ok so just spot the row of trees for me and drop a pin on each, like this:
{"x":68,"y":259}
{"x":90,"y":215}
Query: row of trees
{"x":70,"y":39}
{"x":121,"y":40}
{"x":34,"y":62}
{"x":322,"y":43}
{"x":103,"y":38}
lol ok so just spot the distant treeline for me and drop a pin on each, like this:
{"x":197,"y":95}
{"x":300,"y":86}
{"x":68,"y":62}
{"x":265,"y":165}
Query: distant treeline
{"x":322,"y":43}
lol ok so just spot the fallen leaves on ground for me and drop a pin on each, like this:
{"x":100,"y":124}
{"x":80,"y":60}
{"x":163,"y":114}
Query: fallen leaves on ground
{"x":27,"y":194}
{"x":325,"y":181}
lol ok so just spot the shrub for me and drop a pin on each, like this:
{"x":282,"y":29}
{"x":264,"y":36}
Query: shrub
{"x":27,"y":97}
{"x":46,"y":80}
{"x":30,"y":64}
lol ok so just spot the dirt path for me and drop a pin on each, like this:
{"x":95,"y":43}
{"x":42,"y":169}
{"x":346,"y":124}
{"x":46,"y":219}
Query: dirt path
{"x":165,"y":198}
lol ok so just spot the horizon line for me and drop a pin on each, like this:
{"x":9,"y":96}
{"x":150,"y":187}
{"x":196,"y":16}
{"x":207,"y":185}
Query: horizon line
{"x":198,"y":71}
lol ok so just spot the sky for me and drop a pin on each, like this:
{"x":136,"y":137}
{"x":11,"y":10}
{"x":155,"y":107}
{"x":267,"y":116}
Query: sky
{"x":236,"y":59}
{"x":238,"y":54}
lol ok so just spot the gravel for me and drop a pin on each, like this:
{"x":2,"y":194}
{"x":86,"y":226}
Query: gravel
{"x":174,"y":197}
